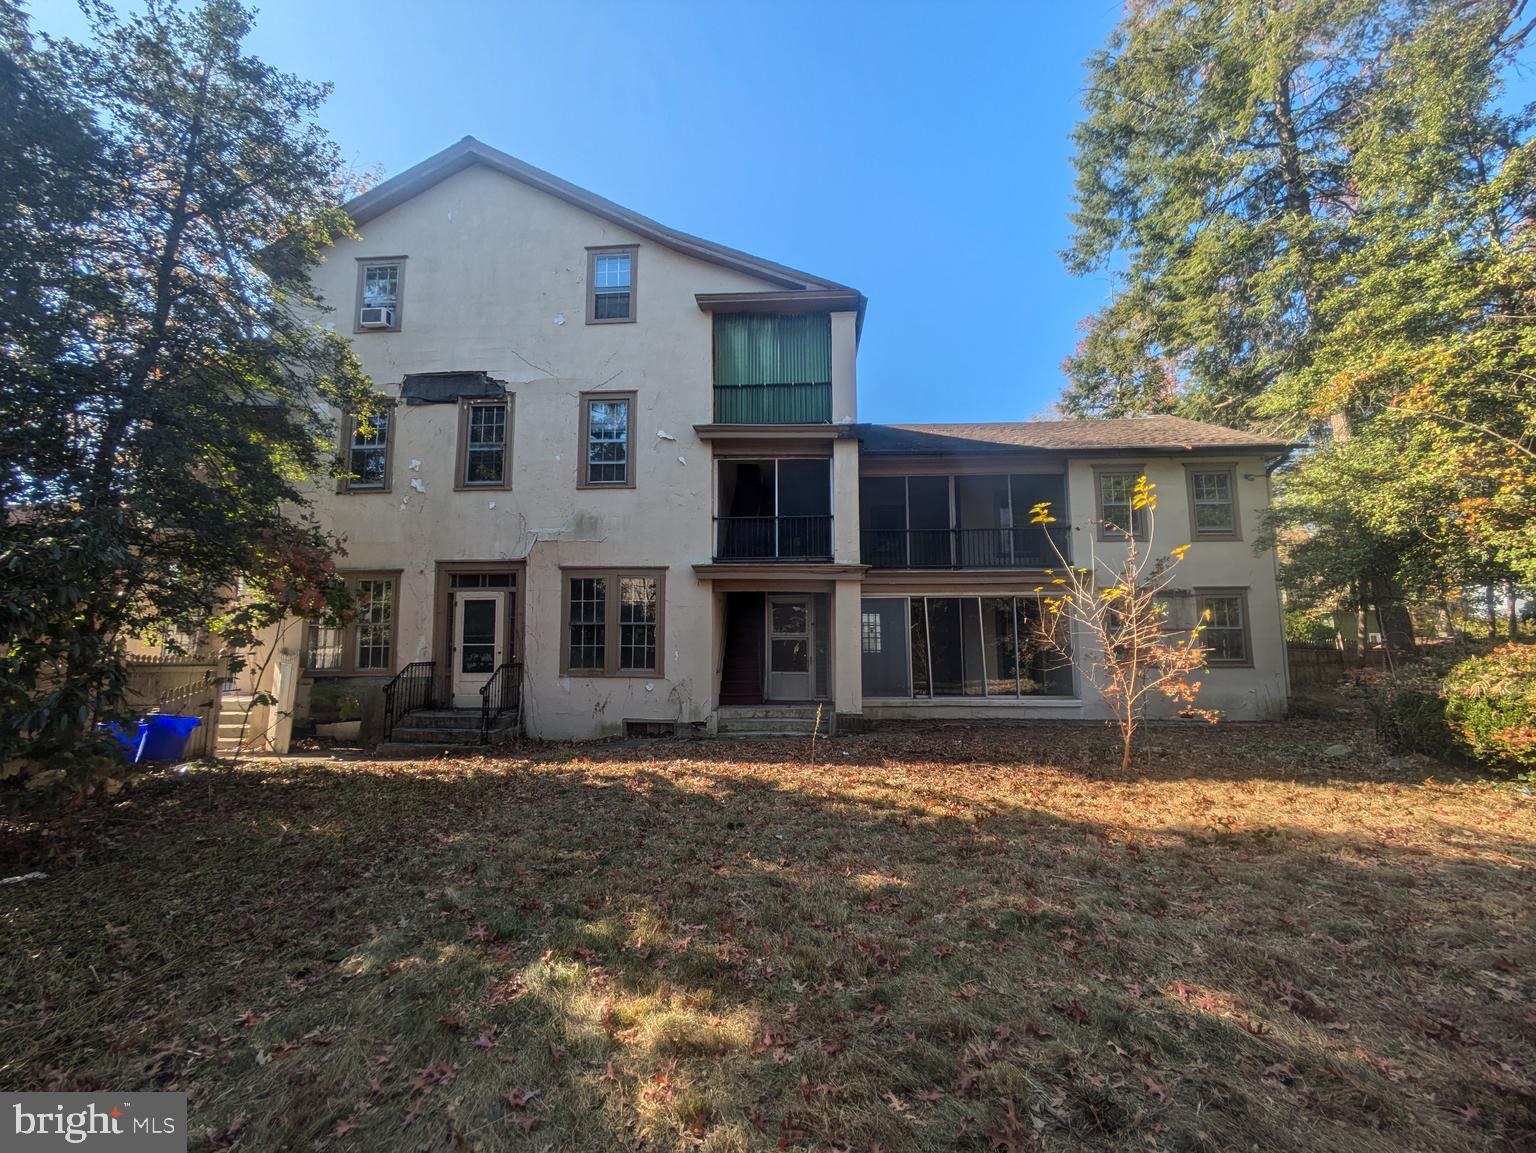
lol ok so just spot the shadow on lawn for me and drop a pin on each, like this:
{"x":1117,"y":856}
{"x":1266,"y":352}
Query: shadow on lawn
{"x":710,"y":955}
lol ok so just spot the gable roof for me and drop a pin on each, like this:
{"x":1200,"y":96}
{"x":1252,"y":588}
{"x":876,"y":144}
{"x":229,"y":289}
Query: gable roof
{"x":469,"y":151}
{"x":1154,"y":434}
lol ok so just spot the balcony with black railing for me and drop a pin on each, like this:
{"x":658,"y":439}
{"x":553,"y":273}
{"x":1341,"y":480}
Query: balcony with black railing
{"x":965,"y":548}
{"x":773,"y":538}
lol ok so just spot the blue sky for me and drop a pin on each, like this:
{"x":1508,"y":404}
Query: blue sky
{"x":919,"y":152}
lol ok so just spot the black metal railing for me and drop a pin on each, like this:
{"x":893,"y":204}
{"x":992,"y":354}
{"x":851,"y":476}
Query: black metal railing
{"x":769,"y":538}
{"x":965,"y":548}
{"x":503,"y":693}
{"x":413,"y":687}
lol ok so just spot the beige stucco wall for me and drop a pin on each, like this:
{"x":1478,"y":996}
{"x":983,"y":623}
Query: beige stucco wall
{"x":1254,"y":693}
{"x":495,"y":281}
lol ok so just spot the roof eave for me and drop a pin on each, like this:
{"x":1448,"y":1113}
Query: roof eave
{"x":468,"y":151}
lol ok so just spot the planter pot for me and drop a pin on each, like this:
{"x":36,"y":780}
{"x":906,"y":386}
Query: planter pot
{"x":340,"y":730}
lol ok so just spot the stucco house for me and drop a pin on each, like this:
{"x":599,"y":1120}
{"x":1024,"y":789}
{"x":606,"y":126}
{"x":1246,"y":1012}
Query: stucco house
{"x":625,"y":488}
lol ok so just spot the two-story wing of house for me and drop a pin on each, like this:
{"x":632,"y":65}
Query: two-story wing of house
{"x":624,"y":488}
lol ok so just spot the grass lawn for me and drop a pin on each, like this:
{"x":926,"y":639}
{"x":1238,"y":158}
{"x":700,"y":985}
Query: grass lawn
{"x":968,"y":938}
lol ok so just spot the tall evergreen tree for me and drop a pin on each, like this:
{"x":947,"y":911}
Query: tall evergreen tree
{"x":164,"y":361}
{"x":1306,"y":206}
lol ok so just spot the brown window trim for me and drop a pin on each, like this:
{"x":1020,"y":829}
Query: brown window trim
{"x":461,"y":453}
{"x":344,"y":482}
{"x":583,"y":428}
{"x":1189,"y":489}
{"x":610,"y":667}
{"x":634,"y":282}
{"x":349,"y":630}
{"x":1242,"y":594}
{"x":363,"y":264}
{"x":1102,"y":532}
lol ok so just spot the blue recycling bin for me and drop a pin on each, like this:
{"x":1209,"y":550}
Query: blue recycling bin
{"x":167,"y":736}
{"x":130,"y":736}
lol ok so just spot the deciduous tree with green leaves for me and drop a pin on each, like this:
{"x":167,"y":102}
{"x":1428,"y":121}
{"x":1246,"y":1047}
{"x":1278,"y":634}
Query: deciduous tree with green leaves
{"x":164,"y":367}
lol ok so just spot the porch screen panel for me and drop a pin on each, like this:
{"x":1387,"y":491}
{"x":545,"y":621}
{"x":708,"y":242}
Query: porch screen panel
{"x":999,"y":646}
{"x":883,"y":637}
{"x":821,"y":643}
{"x":928,"y":518}
{"x":983,"y":514}
{"x":922,"y":680}
{"x":946,"y":660}
{"x":883,"y":520}
{"x":1045,"y":670}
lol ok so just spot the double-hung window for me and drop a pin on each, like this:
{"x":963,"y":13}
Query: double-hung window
{"x":1118,"y":515}
{"x":367,"y":453}
{"x":611,"y":284}
{"x":1224,"y":613}
{"x":607,"y":440}
{"x":613,"y":623}
{"x":1213,"y":503}
{"x":365,"y":644}
{"x":380,"y":292}
{"x":485,"y":444}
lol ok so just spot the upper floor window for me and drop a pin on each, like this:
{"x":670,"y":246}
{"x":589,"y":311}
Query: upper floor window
{"x":485,"y":439}
{"x":607,"y":433}
{"x":380,"y":283}
{"x":611,"y":284}
{"x":367,"y":453}
{"x":1213,"y":503}
{"x":1224,"y":613}
{"x":1118,"y":514}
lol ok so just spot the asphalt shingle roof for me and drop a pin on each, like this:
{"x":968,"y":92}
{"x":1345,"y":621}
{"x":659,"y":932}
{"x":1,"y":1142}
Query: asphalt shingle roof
{"x":1137,"y":433}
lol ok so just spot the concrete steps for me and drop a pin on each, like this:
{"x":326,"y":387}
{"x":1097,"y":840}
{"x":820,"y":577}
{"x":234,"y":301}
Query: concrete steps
{"x":447,"y":729}
{"x":771,"y":721}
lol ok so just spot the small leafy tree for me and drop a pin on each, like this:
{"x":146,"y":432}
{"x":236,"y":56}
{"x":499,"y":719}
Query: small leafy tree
{"x":1132,"y":656}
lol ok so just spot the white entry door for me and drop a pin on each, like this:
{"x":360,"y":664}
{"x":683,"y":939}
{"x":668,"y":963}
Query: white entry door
{"x":479,"y":642}
{"x":789,"y":648}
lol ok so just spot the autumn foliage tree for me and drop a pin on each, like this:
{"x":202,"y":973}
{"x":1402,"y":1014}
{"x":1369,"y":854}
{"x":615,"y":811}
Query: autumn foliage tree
{"x":1133,"y":657}
{"x":165,"y":376}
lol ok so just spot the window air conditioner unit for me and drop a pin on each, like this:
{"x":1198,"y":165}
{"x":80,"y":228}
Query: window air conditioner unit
{"x":376,"y":318}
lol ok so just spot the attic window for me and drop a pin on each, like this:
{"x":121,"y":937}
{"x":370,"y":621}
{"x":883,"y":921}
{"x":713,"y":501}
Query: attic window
{"x":611,"y":284}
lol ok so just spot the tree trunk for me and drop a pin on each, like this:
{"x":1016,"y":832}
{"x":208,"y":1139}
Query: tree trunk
{"x":1513,"y":611}
{"x":1392,"y":613}
{"x":1493,"y":612}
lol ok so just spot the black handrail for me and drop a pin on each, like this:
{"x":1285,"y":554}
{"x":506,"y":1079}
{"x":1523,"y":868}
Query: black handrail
{"x":773,"y":538}
{"x":503,"y":692}
{"x":1030,"y":547}
{"x":413,"y":687}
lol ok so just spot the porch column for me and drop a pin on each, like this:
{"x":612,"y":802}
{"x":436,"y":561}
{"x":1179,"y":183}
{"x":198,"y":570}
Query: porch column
{"x":845,"y":501}
{"x":848,"y":659}
{"x":845,"y":352}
